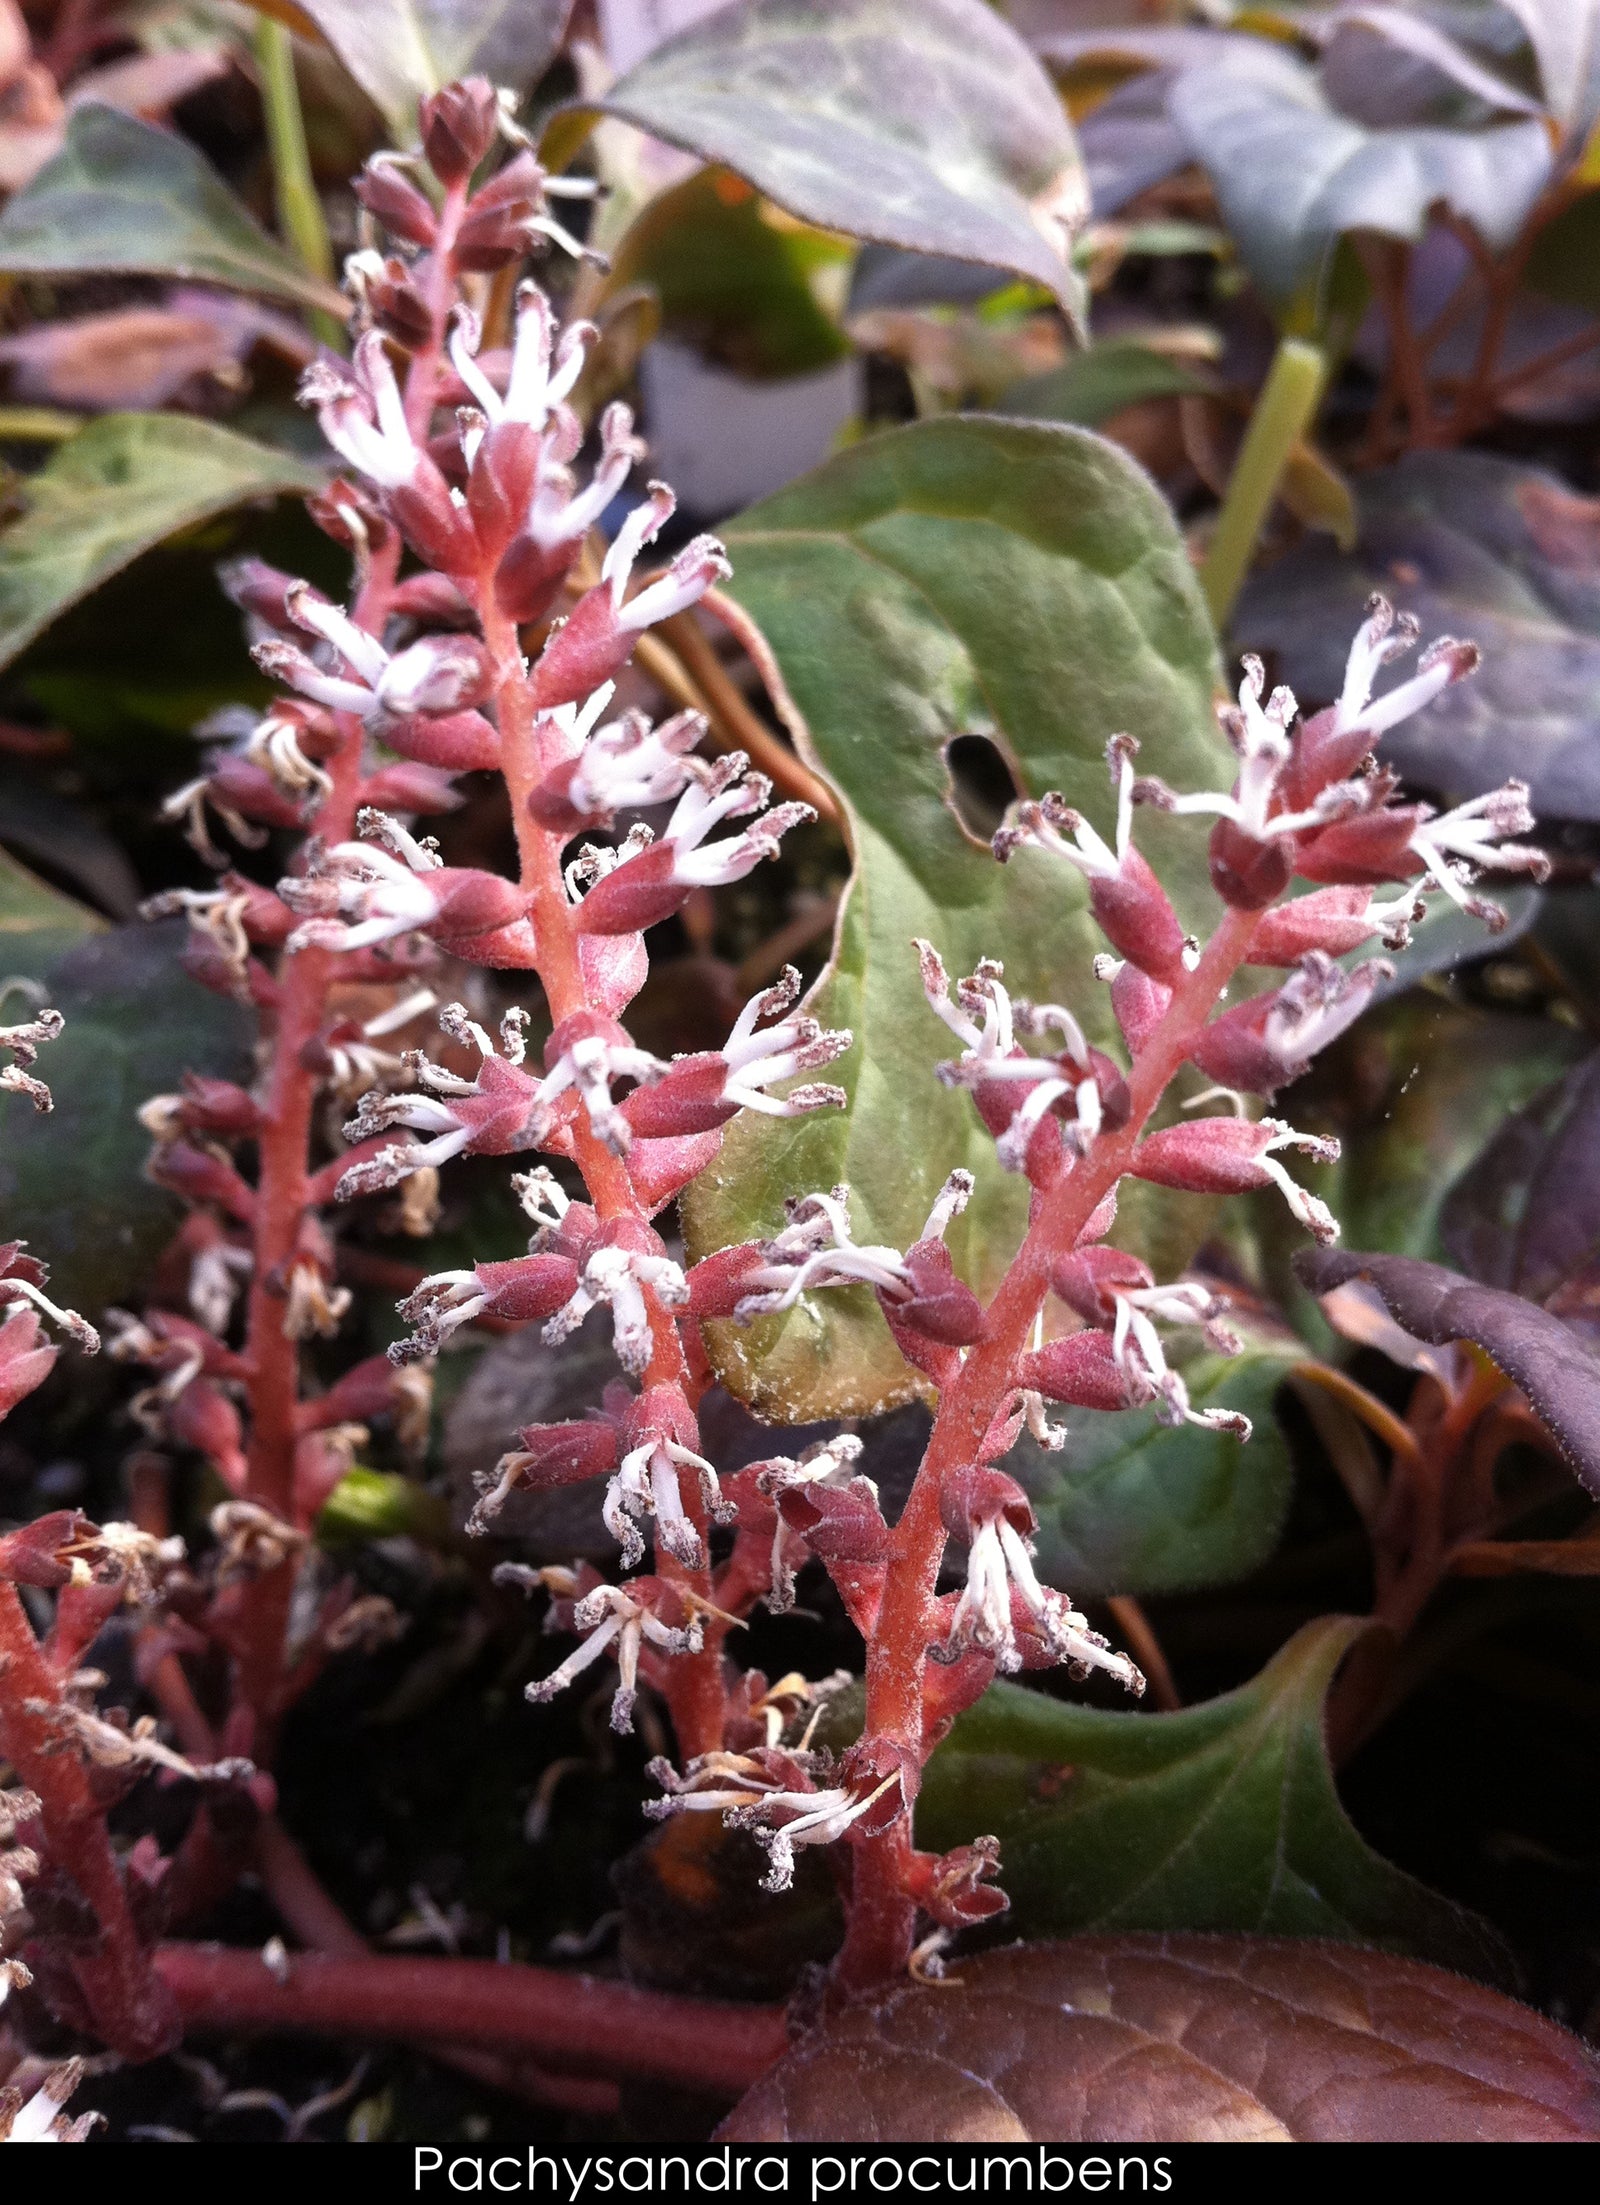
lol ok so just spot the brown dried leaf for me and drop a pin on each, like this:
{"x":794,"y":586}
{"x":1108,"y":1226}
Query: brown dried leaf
{"x":1181,"y":2040}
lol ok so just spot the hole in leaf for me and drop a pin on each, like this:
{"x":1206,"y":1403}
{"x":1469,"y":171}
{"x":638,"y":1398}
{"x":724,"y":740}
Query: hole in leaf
{"x":982,"y":784}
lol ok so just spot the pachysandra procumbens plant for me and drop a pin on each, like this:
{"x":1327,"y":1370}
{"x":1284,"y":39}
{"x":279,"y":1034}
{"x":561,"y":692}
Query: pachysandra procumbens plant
{"x":488,"y":655}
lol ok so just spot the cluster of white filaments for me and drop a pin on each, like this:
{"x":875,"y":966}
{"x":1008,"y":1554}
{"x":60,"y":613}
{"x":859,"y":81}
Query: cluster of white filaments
{"x":1141,"y":1357}
{"x":648,"y":1482}
{"x":816,"y":1248}
{"x":991,"y":1053}
{"x":608,"y":1619}
{"x":1000,"y":1576}
{"x":737,"y":1787}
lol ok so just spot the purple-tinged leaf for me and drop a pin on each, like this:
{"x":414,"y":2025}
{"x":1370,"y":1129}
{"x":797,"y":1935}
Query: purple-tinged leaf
{"x":1478,"y":546}
{"x":1538,"y":1352}
{"x":1526,"y":1213}
{"x":1146,"y":2040}
{"x":932,"y":128}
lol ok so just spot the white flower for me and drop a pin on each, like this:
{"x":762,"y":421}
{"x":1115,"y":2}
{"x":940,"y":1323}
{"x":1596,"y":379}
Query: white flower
{"x":1455,"y":845}
{"x":355,"y":894}
{"x":748,"y":1797}
{"x":815,"y":1249}
{"x":362,"y":413}
{"x":756,"y":1060}
{"x":1136,"y":1346}
{"x":1000,"y":1573}
{"x":1380,"y":639}
{"x":609,"y":1617}
{"x":646,"y":1483}
{"x":620,"y":1277}
{"x":1055,"y":826}
{"x":38,"y":2120}
{"x":543,"y":371}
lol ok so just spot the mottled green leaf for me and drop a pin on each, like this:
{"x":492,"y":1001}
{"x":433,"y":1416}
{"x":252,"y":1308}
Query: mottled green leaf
{"x":1131,"y":1505}
{"x":119,"y":486}
{"x":1095,"y":384}
{"x":1006,"y":581}
{"x":38,"y":925}
{"x":124,"y":196}
{"x":730,"y":280}
{"x":1478,"y":546}
{"x":399,"y":51}
{"x":930,"y":128}
{"x":72,"y":1183}
{"x":1220,"y":1817}
{"x":378,"y":1504}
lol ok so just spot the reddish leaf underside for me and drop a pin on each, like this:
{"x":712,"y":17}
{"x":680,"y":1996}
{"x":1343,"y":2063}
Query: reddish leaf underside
{"x":1181,"y":2040}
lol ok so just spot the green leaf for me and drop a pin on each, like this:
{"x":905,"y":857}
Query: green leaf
{"x":377,"y":1504}
{"x":72,"y":1183}
{"x":38,"y":925}
{"x":122,"y":195}
{"x":1131,"y":1505}
{"x":1012,"y":583}
{"x":1565,"y":261}
{"x":730,"y":280}
{"x":121,"y":485}
{"x":1095,"y":384}
{"x":1292,"y":176}
{"x":930,"y":128}
{"x":399,"y":51}
{"x":1220,"y":1817}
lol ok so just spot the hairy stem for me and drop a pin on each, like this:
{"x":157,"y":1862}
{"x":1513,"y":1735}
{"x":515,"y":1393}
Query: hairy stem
{"x":693,"y":1684}
{"x":878,"y":1939}
{"x":125,"y":2002}
{"x":575,"y":2022}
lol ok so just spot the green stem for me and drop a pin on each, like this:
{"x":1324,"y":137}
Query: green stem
{"x":1284,"y":412}
{"x":300,"y":214}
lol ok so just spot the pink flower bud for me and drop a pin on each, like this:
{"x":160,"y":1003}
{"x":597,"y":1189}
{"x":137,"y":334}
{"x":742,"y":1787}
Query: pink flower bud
{"x":455,"y":742}
{"x":1135,"y":914}
{"x":1334,"y":920}
{"x":397,"y":204}
{"x":235,"y":785}
{"x":33,"y":1555}
{"x":459,"y":125}
{"x":25,"y":1359}
{"x":198,"y":1176}
{"x":218,"y":1107}
{"x":1261,"y":1045}
{"x":205,"y":1419}
{"x":567,"y":1454}
{"x":1232,"y":1156}
{"x":1080,"y":1371}
{"x":659,"y":1170}
{"x":1249,"y":873}
{"x":1088,"y":1279}
{"x":500,"y":216}
{"x":1372,"y":847}
{"x":410,"y":787}
{"x":976,"y":1493}
{"x":1140,"y":1004}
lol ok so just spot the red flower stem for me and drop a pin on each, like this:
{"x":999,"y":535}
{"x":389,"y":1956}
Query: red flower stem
{"x":574,"y":2022}
{"x":693,"y":1684}
{"x":283,"y":1181}
{"x":124,"y":2000}
{"x":882,"y":1916}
